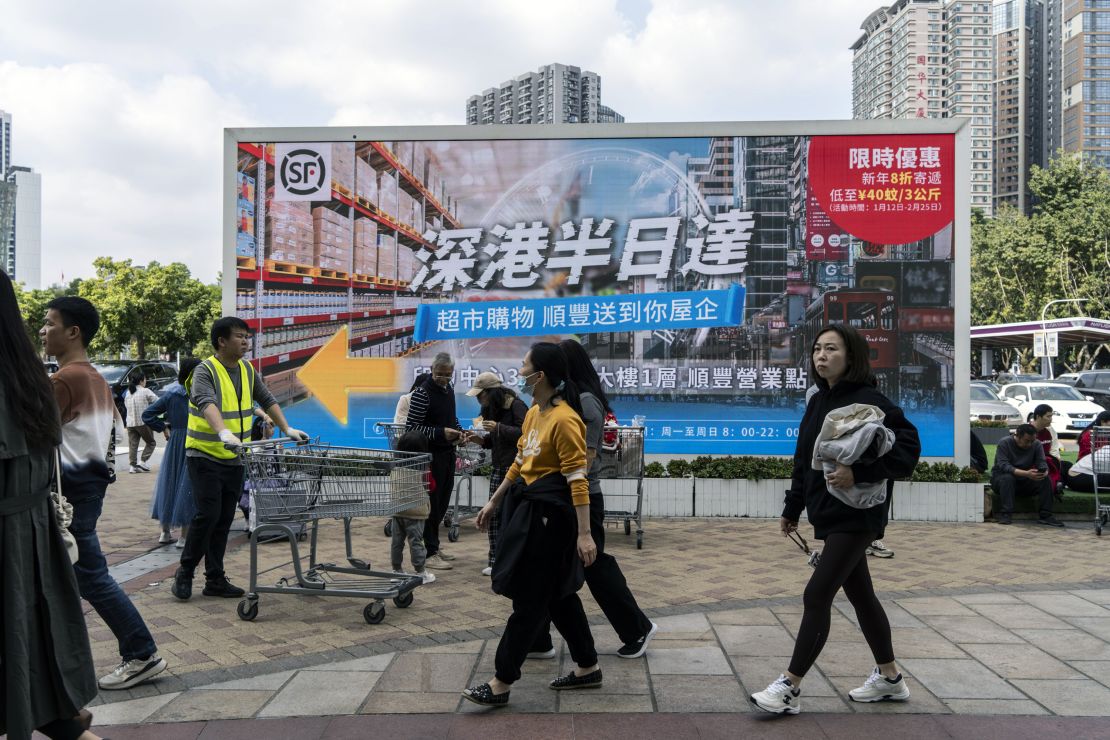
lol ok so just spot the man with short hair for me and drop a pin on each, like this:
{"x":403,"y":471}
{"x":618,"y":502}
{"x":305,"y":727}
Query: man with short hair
{"x":223,"y":391}
{"x":88,"y":415}
{"x":1021,"y":470}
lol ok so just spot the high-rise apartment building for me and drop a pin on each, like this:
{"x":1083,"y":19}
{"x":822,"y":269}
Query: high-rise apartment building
{"x":556,"y":93}
{"x":5,"y":143}
{"x":931,"y":59}
{"x":1019,"y":111}
{"x":23,"y":261}
{"x":1085,"y":78}
{"x":1052,"y":59}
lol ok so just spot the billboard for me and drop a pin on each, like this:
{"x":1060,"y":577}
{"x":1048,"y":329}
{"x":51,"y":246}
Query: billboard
{"x":695,"y":269}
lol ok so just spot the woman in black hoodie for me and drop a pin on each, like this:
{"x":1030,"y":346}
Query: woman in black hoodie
{"x":839,"y":363}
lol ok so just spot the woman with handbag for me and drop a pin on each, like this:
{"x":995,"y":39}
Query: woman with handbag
{"x":47,"y":665}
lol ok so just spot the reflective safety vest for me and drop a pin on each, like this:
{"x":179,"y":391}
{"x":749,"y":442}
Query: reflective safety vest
{"x":237,"y":412}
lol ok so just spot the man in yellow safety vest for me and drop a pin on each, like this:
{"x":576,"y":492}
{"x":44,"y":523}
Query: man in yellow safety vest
{"x":223,"y":392}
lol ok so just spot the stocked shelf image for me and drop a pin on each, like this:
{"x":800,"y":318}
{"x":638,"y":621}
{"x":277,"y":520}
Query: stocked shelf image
{"x":342,"y":256}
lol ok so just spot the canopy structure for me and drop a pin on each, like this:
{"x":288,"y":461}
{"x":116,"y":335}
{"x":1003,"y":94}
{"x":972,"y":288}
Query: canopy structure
{"x":1070,"y":332}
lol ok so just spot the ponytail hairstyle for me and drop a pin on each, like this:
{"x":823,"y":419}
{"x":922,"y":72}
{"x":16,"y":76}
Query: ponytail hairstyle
{"x":582,"y":372}
{"x":550,"y":359}
{"x":134,"y":381}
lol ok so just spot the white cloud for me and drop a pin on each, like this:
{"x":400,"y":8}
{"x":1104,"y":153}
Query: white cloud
{"x":123,"y":112}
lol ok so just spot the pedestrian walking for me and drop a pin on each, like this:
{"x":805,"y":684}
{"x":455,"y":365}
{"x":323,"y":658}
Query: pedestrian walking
{"x":173,"y":504}
{"x":47,"y":674}
{"x":139,"y":398}
{"x":605,"y":578}
{"x":545,"y":538}
{"x":408,"y":525}
{"x":840,"y":363}
{"x":88,"y":413}
{"x":432,"y":413}
{"x":222,"y":393}
{"x":501,"y":419}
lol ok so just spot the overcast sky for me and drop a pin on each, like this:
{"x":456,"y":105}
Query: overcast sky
{"x":121,"y":106}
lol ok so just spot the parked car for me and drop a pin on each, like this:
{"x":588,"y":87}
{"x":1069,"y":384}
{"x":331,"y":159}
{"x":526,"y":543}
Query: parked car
{"x":987,"y":406}
{"x":1094,"y":384}
{"x":994,"y":387}
{"x":118,"y":375}
{"x":1006,"y":378}
{"x":1073,"y":412}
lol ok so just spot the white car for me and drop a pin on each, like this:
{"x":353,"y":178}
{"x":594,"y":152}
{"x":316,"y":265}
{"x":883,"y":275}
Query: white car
{"x":1072,"y":412}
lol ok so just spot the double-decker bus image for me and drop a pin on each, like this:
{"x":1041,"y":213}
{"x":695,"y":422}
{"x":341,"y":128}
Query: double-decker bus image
{"x":873,"y":312}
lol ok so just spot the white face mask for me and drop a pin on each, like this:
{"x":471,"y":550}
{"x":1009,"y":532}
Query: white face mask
{"x":522,"y":382}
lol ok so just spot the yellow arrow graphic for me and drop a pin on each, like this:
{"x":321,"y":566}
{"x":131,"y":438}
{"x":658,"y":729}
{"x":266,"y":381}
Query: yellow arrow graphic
{"x":330,"y":375}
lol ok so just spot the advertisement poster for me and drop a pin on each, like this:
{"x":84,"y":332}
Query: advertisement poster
{"x":695,"y":271}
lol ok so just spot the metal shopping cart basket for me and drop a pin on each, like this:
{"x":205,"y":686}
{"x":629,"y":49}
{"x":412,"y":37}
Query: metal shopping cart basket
{"x":293,"y":485}
{"x":621,"y":460}
{"x":468,"y":459}
{"x":1100,"y":467}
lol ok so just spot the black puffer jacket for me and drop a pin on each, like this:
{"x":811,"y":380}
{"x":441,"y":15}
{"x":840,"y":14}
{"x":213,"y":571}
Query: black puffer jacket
{"x":808,"y":490}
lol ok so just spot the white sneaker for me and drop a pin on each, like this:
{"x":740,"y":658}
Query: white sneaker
{"x":134,"y":469}
{"x":143,"y":467}
{"x":879,"y":550}
{"x":878,"y":687}
{"x":428,"y":577}
{"x":488,"y":570}
{"x":542,"y":654}
{"x":180,"y":543}
{"x":779,"y":698}
{"x":438,"y":563}
{"x":165,"y":538}
{"x":132,"y":673}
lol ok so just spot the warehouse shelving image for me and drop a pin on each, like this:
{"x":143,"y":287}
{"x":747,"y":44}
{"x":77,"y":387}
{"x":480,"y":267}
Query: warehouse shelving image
{"x":306,"y":269}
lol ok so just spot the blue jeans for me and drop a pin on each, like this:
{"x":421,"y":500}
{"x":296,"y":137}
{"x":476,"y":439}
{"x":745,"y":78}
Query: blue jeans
{"x":100,"y":589}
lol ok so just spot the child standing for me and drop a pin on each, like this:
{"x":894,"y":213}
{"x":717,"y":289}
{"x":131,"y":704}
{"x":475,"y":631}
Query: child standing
{"x":409,"y":524}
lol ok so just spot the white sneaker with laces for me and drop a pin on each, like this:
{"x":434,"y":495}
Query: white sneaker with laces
{"x":488,"y":570}
{"x":143,"y":467}
{"x":132,"y":673}
{"x":878,"y":687}
{"x":180,"y":543}
{"x":165,"y":538}
{"x":779,"y":698}
{"x":428,"y":577}
{"x":879,"y":550}
{"x":134,"y":469}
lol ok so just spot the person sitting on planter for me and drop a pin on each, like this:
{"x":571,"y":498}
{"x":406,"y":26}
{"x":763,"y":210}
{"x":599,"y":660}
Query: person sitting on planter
{"x":1020,"y":470}
{"x":1102,"y":420}
{"x":1041,"y":419}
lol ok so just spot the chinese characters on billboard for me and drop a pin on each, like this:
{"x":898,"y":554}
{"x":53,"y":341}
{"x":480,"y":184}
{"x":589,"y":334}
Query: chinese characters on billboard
{"x":696,"y":272}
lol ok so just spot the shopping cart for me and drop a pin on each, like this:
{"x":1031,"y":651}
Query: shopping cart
{"x":468,"y":459}
{"x":622,"y":459}
{"x":294,"y":485}
{"x":1100,"y":468}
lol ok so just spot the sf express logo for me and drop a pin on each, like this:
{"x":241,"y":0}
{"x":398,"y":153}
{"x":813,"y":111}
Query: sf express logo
{"x":303,"y":172}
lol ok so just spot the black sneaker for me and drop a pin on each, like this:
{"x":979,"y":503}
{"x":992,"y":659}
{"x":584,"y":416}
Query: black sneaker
{"x":182,"y":584}
{"x":638,"y":647}
{"x":1051,"y":521}
{"x":222,"y":588}
{"x":571,"y":681}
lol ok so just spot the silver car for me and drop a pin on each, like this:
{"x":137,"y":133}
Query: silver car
{"x":987,"y":406}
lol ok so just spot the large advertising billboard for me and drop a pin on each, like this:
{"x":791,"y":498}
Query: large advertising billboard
{"x":694,"y":269}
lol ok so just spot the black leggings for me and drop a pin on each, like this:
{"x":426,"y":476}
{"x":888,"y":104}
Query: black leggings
{"x":843,"y":563}
{"x":63,"y":729}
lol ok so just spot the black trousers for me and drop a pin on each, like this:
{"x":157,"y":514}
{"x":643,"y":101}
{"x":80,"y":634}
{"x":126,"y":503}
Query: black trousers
{"x":443,"y":473}
{"x":1008,"y":485}
{"x":216,"y":492}
{"x":1084,"y":483}
{"x":843,"y":564}
{"x":609,"y":588}
{"x":537,"y":600}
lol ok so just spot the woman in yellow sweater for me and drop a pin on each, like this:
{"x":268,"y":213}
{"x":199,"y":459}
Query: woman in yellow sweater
{"x":545,"y":531}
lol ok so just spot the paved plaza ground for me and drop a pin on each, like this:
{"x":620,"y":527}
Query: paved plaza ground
{"x":1011,"y":624}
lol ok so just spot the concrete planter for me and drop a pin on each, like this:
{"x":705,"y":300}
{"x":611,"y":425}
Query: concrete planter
{"x":990,"y":435}
{"x":937,"y":502}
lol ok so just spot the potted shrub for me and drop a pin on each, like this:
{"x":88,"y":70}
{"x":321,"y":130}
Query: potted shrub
{"x":990,"y":432}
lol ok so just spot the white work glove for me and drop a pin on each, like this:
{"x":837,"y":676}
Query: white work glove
{"x":228,"y":438}
{"x":296,"y":434}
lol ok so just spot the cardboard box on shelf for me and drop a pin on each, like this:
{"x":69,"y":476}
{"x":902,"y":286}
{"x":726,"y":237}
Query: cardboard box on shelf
{"x":402,"y":151}
{"x":387,"y":194}
{"x":387,"y":256}
{"x":289,"y":232}
{"x":343,"y":166}
{"x":419,"y":157}
{"x":366,"y":181}
{"x":365,"y":259}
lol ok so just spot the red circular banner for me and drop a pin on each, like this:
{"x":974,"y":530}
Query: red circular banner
{"x":885,"y":189}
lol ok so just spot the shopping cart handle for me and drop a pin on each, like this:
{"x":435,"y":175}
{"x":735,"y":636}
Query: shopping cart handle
{"x":265,"y":443}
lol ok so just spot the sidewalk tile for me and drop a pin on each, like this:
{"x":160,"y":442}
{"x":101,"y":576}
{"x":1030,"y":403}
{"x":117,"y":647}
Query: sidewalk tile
{"x":755,"y":641}
{"x":623,"y":676}
{"x":1020,"y":661}
{"x":1063,"y":604}
{"x":427,"y":727}
{"x":1099,"y":670}
{"x":939,"y":606}
{"x":1095,"y":595}
{"x":698,"y":694}
{"x":923,"y":643}
{"x":804,"y":726}
{"x":959,"y":679}
{"x":994,"y":706}
{"x":1067,"y":644}
{"x":588,"y":701}
{"x":695,"y":623}
{"x":301,"y":728}
{"x":921,"y":700}
{"x":616,"y":727}
{"x":200,"y":705}
{"x":411,"y":702}
{"x":321,"y":693}
{"x":1073,"y":698}
{"x":987,"y":598}
{"x":374,"y":663}
{"x":1014,"y":616}
{"x":1097,"y":626}
{"x":970,"y":629}
{"x":760,"y":616}
{"x":696,"y":661}
{"x":265,"y":682}
{"x":473,"y":646}
{"x":131,"y":711}
{"x":422,"y":672}
{"x":840,"y":658}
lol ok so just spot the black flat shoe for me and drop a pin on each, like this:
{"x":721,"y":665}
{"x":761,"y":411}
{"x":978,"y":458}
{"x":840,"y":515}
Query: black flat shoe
{"x":483,"y":694}
{"x":571,"y":681}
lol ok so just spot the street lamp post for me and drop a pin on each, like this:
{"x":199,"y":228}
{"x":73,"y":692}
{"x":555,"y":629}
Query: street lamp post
{"x":1046,"y":361}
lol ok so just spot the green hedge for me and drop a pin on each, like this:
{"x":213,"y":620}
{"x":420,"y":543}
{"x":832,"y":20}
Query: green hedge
{"x":763,"y":468}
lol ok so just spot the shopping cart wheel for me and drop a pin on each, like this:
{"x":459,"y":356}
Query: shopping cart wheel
{"x":248,"y":610}
{"x":448,"y":518}
{"x":627,"y":527}
{"x":404,"y":601}
{"x":374,"y":612}
{"x":453,"y":533}
{"x":639,"y":540}
{"x":388,"y":529}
